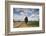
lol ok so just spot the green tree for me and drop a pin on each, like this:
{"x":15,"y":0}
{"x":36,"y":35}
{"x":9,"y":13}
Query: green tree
{"x":26,"y":19}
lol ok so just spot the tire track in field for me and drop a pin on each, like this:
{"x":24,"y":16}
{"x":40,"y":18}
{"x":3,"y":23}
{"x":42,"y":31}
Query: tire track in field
{"x":20,"y":24}
{"x":23,"y":25}
{"x":17,"y":24}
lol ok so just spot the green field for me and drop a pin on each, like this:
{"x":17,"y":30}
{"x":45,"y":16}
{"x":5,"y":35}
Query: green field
{"x":33,"y":23}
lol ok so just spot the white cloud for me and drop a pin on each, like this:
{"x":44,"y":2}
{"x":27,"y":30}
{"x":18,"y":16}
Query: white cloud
{"x":22,"y":13}
{"x":33,"y":17}
{"x":25,"y":13}
{"x":19,"y":17}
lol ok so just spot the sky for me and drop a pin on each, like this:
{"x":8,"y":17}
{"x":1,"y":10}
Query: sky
{"x":20,"y":13}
